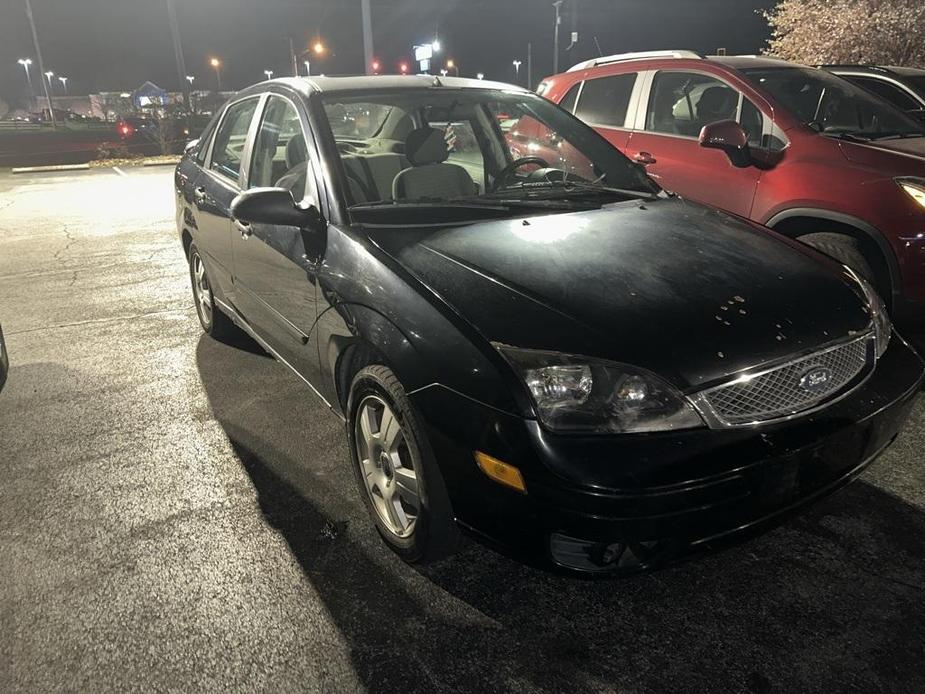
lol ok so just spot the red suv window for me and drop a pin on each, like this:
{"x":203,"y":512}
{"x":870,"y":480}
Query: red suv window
{"x":603,"y":101}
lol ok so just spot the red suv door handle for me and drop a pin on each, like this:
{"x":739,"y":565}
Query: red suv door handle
{"x":644,"y":158}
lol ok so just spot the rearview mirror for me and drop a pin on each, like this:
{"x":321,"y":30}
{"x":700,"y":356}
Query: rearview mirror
{"x":730,"y":137}
{"x":273,"y":206}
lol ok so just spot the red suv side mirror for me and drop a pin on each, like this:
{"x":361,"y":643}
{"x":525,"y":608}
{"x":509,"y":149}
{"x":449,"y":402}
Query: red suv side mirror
{"x":730,"y":137}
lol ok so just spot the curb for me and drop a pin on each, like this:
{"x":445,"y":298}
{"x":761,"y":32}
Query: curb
{"x":58,"y":167}
{"x":161,"y":163}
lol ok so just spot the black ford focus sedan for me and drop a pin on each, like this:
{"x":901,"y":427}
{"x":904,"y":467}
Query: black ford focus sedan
{"x":525,"y":336}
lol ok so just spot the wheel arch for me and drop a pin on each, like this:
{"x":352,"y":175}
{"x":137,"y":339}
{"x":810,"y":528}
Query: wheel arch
{"x":369,"y":337}
{"x":801,"y":221}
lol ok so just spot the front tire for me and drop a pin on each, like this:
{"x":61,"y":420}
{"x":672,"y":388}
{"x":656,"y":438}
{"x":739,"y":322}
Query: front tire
{"x":395,"y":469}
{"x":215,"y":323}
{"x":845,"y":250}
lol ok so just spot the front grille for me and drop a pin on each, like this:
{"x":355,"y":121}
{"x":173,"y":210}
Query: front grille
{"x":787,"y":389}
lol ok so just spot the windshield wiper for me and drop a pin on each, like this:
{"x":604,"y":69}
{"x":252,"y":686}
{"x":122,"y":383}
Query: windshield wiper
{"x":898,"y":136}
{"x":850,"y":137}
{"x":577,"y":187}
{"x":480,"y":203}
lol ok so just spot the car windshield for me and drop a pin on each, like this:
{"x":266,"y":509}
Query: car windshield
{"x":832,"y":105}
{"x":482,"y":148}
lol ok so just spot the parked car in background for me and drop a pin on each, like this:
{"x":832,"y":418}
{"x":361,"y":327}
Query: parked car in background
{"x":4,"y":360}
{"x":797,"y":149}
{"x":904,"y":87}
{"x":544,"y":348}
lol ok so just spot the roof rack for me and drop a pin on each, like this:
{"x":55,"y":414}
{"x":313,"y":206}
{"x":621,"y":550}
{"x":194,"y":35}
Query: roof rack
{"x":623,"y":57}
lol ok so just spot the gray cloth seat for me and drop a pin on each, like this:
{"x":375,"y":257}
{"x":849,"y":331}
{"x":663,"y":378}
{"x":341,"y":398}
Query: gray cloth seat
{"x":296,"y":167}
{"x":370,"y":176}
{"x":429,"y":176}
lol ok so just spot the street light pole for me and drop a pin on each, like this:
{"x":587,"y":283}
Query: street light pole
{"x":269,"y":74}
{"x":63,"y":81}
{"x":367,"y":34}
{"x":217,"y":65}
{"x":555,"y":41}
{"x":38,"y":53}
{"x":178,"y":54}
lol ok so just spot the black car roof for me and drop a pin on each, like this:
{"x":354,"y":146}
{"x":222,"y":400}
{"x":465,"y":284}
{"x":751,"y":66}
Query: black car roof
{"x":877,"y":69}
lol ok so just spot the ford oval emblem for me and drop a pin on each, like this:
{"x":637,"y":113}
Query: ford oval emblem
{"x":816,"y":379}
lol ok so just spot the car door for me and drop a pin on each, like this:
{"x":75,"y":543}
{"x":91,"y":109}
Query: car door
{"x":679,"y":104}
{"x":217,"y":186}
{"x":273,"y":264}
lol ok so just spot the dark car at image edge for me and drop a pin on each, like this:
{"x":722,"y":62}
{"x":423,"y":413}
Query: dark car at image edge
{"x":549,"y":351}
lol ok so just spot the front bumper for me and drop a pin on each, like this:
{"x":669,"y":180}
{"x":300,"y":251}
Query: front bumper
{"x":625,"y":503}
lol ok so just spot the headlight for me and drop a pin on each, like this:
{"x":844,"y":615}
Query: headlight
{"x":914,"y":187}
{"x":883,"y":326}
{"x":580,"y":394}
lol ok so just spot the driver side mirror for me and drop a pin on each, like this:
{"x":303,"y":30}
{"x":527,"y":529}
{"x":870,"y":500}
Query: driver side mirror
{"x":274,"y":206}
{"x":191,"y":145}
{"x":730,"y":137}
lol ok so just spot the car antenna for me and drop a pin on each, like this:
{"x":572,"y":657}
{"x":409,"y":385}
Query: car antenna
{"x":436,"y":82}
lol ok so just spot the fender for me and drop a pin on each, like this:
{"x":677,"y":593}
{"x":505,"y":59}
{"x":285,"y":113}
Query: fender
{"x":346,"y":325}
{"x":869,"y":231}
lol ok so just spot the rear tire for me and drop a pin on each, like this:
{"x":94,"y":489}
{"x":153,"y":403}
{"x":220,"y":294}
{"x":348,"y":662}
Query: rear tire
{"x":215,"y":323}
{"x":395,"y":469}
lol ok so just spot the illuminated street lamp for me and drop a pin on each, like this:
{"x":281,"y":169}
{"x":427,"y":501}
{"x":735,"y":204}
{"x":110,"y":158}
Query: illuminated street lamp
{"x":190,"y":79}
{"x":436,"y":45}
{"x":403,"y":68}
{"x":443,"y":72}
{"x":517,"y":65}
{"x":26,"y":62}
{"x":375,"y":65}
{"x":48,"y":76}
{"x":269,"y":74}
{"x":319,"y":49}
{"x":481,"y":75}
{"x":451,"y":65}
{"x":63,"y":81}
{"x":217,"y":66}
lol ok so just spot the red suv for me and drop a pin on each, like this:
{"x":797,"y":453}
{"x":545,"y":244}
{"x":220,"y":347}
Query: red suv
{"x":795,"y":148}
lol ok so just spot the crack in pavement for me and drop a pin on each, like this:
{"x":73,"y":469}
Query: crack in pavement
{"x":101,"y":320}
{"x":70,"y":240}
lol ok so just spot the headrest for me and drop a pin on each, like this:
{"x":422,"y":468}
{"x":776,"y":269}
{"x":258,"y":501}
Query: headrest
{"x":426,"y":146}
{"x":296,"y":151}
{"x":716,"y":99}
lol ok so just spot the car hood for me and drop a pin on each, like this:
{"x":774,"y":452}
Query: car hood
{"x":901,"y":156}
{"x":687,"y":292}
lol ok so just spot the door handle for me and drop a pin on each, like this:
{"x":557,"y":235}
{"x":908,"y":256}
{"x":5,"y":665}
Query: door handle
{"x":644,"y":158}
{"x":199,"y":194}
{"x":244,"y":228}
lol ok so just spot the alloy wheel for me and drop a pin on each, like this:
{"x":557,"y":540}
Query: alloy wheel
{"x":202,"y":291}
{"x":386,"y":466}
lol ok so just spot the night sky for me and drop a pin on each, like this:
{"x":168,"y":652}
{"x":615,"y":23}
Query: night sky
{"x":118,"y":44}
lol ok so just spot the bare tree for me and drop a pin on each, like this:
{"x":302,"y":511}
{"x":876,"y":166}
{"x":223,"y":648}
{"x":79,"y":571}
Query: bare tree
{"x":878,"y":32}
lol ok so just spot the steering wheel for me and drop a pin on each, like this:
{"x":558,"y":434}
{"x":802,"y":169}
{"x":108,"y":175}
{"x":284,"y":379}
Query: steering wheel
{"x":508,"y":170}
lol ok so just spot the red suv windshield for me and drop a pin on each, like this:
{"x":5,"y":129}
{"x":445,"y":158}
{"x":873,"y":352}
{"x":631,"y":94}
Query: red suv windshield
{"x":831,"y":105}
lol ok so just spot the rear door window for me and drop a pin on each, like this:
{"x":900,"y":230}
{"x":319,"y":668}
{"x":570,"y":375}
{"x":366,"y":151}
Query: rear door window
{"x":568,"y":101}
{"x":605,"y":100}
{"x":280,"y":156}
{"x":231,"y":138}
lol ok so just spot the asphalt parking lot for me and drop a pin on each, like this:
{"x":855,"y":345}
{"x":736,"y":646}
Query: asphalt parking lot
{"x":179,"y":514}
